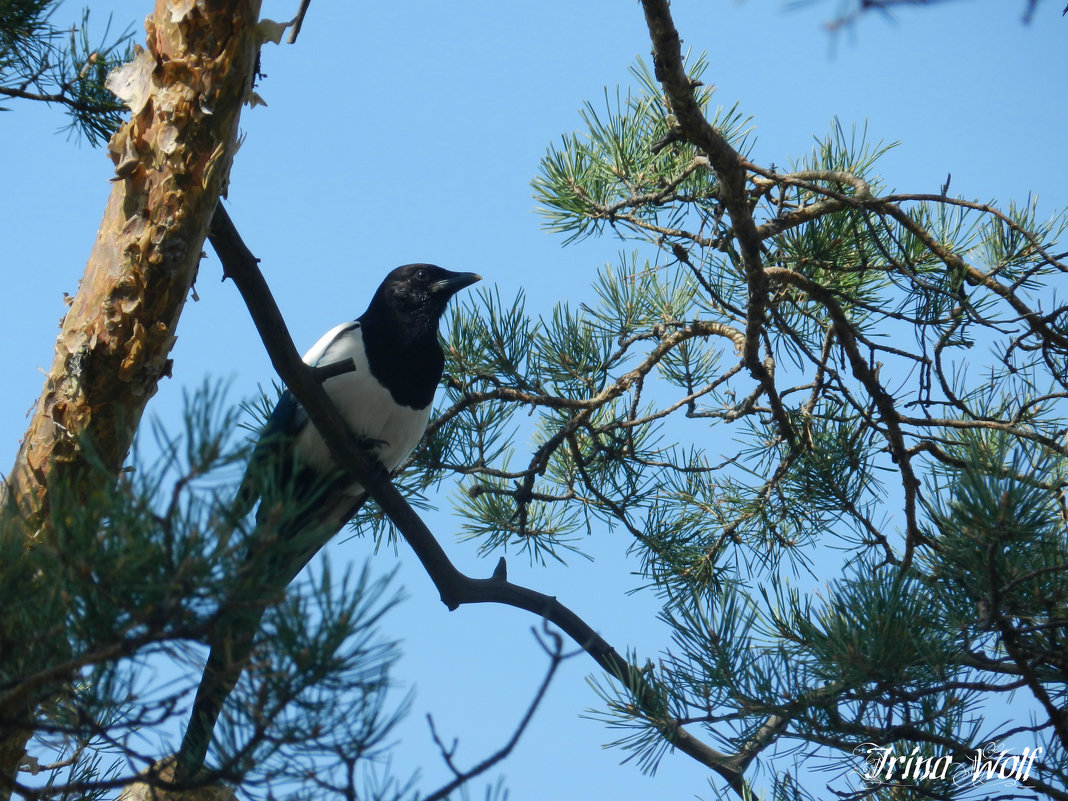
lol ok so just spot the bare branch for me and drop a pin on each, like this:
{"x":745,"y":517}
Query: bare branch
{"x":298,"y":21}
{"x":556,"y":658}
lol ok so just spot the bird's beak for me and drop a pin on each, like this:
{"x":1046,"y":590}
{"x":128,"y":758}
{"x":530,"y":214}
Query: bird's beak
{"x":454,"y":283}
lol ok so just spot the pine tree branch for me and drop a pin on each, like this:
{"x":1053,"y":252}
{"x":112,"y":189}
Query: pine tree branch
{"x":730,"y":169}
{"x":73,"y":76}
{"x":882,"y":399}
{"x":62,"y":98}
{"x":976,"y":277}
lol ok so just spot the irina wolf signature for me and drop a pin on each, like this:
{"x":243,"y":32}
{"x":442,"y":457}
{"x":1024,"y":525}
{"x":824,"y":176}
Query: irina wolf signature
{"x":884,"y":766}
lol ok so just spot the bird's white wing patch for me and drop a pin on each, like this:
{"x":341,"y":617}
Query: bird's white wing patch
{"x":316,"y":351}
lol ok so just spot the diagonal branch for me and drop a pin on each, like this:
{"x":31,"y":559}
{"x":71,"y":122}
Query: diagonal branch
{"x":454,"y":587}
{"x":883,"y":401}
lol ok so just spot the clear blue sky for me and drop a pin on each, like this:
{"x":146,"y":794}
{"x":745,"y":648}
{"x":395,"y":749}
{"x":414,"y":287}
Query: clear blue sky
{"x":409,"y":131}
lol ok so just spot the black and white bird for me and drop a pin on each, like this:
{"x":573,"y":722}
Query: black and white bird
{"x":385,"y":397}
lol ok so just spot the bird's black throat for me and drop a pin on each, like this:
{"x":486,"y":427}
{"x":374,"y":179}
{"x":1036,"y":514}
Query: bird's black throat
{"x":400,"y":330}
{"x":405,"y":359}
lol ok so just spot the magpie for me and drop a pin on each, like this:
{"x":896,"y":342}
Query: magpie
{"x":385,"y":397}
{"x":388,"y":366}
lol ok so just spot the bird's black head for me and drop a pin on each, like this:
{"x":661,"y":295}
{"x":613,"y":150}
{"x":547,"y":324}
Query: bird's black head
{"x":415,"y":296}
{"x":400,"y":330}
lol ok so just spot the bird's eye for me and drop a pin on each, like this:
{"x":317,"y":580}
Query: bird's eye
{"x":421,"y":275}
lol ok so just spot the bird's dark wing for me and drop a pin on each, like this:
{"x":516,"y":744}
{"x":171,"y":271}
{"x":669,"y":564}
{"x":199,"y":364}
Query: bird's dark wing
{"x":271,"y":460}
{"x":271,"y":466}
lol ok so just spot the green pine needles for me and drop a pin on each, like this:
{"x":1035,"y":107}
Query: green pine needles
{"x":842,"y":466}
{"x":40,"y":61}
{"x":141,"y":574}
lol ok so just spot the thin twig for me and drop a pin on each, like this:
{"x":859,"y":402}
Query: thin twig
{"x":298,"y":21}
{"x":556,"y":658}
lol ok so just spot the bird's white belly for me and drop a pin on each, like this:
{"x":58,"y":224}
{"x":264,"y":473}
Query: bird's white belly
{"x":367,"y":407}
{"x":370,"y":411}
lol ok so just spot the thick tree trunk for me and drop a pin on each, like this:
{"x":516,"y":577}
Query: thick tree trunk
{"x":185,"y":90}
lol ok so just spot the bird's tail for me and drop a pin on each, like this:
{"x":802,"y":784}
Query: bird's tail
{"x":283,"y":543}
{"x":229,"y":654}
{"x":268,"y":570}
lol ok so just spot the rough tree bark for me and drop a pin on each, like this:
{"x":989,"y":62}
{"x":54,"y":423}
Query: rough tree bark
{"x":185,"y":89}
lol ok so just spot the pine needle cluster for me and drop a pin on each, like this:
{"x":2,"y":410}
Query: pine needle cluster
{"x":40,"y":61}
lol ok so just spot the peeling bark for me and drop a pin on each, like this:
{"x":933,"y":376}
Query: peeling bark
{"x":185,"y":89}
